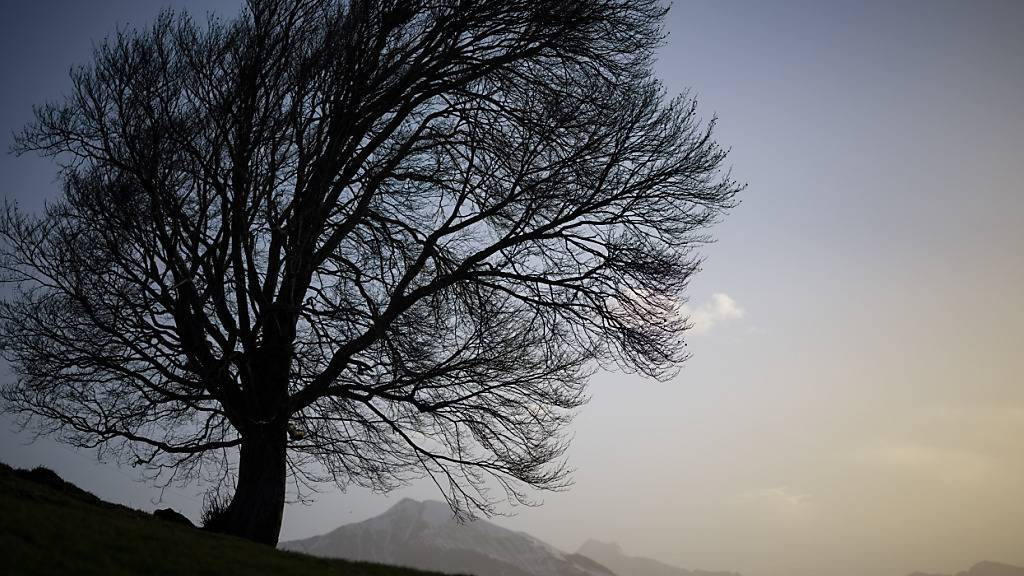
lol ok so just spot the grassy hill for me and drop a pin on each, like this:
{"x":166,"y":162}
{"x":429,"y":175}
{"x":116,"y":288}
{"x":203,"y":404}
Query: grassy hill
{"x":48,"y":526}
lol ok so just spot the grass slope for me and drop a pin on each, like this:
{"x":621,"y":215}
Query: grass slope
{"x":48,"y":526}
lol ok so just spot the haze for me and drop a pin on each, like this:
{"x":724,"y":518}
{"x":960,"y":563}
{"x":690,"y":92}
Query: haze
{"x":854,"y":405}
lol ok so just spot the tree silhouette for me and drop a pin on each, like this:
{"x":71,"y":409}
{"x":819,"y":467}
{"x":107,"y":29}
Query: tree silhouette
{"x":358,"y":241}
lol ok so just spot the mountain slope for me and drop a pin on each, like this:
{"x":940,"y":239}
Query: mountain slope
{"x":424,"y":535}
{"x":49,"y":526}
{"x":611,"y":555}
{"x":986,"y":569}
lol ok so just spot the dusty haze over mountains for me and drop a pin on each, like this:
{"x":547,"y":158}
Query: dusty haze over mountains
{"x":424,"y":535}
{"x":855,"y":404}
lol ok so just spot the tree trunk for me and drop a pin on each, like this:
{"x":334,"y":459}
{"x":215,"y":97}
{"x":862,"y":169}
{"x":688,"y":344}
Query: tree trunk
{"x":258,"y":504}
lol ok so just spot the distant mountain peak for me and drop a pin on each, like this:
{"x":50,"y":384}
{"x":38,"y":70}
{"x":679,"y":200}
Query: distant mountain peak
{"x":985,"y":568}
{"x":595,"y":545}
{"x":610,"y":554}
{"x":420,"y":504}
{"x":426,"y":535}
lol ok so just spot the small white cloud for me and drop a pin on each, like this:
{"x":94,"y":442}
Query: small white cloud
{"x":643,"y":306}
{"x":721,"y":308}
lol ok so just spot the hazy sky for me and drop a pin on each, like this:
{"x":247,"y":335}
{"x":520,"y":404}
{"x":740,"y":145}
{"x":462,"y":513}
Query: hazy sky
{"x":855,"y":403}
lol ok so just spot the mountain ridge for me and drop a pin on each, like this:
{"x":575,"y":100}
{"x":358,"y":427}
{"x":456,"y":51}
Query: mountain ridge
{"x":419,"y":534}
{"x":983,"y":568}
{"x":611,"y":555}
{"x":425,"y":536}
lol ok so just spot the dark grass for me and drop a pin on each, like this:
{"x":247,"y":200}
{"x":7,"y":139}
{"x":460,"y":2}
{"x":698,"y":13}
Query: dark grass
{"x":48,"y":526}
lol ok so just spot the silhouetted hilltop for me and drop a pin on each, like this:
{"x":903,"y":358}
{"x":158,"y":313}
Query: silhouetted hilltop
{"x":50,"y":526}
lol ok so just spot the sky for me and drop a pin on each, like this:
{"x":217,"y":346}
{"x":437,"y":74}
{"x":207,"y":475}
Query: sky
{"x":855,"y":400}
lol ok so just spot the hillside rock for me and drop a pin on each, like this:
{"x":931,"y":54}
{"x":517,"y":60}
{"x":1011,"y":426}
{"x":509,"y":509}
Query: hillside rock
{"x":172,"y":515}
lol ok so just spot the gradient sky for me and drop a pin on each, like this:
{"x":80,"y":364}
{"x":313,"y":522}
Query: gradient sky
{"x":855,"y":403}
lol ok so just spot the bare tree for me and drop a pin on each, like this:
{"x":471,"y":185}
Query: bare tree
{"x":360,"y":240}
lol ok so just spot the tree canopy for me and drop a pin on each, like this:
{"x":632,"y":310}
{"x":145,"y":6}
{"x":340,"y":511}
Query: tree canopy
{"x":358,"y":241}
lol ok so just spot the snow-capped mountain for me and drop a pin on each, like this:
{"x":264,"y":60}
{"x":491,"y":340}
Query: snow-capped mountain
{"x":425,"y":535}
